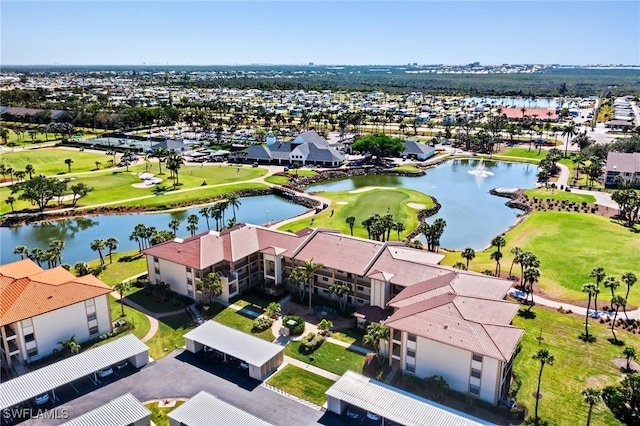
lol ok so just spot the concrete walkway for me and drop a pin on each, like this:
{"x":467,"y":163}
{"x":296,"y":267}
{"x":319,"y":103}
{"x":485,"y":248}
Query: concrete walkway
{"x":538,"y":300}
{"x":602,"y":198}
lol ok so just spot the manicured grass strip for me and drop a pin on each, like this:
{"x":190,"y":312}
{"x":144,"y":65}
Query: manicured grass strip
{"x":569,"y":246}
{"x":577,"y":365}
{"x":523,"y":152}
{"x":50,"y":161}
{"x":159,"y":415}
{"x":301,"y":383}
{"x":170,"y":335}
{"x":556,"y":194}
{"x":125,"y":265}
{"x":329,"y":356}
{"x":136,"y":318}
{"x":406,"y":168}
{"x":242,"y":321}
{"x":277,"y":180}
{"x":361,"y":205}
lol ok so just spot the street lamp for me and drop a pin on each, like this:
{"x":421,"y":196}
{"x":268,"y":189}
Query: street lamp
{"x":267,"y":216}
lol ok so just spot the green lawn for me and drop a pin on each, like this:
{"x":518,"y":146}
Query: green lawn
{"x":125,"y":265}
{"x":50,"y":161}
{"x":556,"y":194}
{"x":361,"y":205}
{"x":331,"y":357}
{"x":406,"y":168}
{"x":136,"y":318}
{"x":159,"y":415}
{"x":352,"y":336}
{"x":301,"y":383}
{"x":170,"y":335}
{"x":569,"y":246}
{"x":242,"y":321}
{"x":577,"y":365}
{"x":523,"y":152}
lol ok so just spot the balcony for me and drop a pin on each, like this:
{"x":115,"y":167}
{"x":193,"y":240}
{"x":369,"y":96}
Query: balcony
{"x":11,"y":334}
{"x":13,"y":348}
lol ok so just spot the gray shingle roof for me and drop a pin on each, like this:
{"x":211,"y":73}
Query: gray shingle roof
{"x":396,"y":405}
{"x":122,"y":411}
{"x":311,"y":137}
{"x":206,"y":410}
{"x":416,"y":148}
{"x":623,"y":162}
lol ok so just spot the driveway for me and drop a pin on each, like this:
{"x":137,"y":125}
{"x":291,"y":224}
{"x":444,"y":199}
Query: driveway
{"x":182,"y":374}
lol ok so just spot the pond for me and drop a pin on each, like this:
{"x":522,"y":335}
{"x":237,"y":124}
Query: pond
{"x":474,"y":217}
{"x":77,"y":233}
{"x":523,"y":102}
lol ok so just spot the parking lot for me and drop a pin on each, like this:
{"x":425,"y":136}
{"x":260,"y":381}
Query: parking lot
{"x":181,"y":375}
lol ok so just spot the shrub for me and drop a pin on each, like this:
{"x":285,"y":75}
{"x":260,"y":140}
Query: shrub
{"x":261,"y":324}
{"x":311,"y":342}
{"x":295,"y":329}
{"x":273,"y":310}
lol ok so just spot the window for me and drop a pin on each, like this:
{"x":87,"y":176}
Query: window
{"x":325,"y":278}
{"x":189,"y":281}
{"x":188,"y":270}
{"x":348,"y":274}
{"x":477,"y":357}
{"x":411,"y":353}
{"x":155,"y":259}
{"x":93,"y":330}
{"x":32,"y":352}
{"x":474,"y":389}
{"x":29,"y":337}
{"x":411,"y":368}
{"x":27,"y":323}
{"x":91,"y":317}
{"x":476,"y":373}
{"x":157,"y":270}
{"x":411,"y":337}
{"x":360,"y":288}
{"x":88,"y":303}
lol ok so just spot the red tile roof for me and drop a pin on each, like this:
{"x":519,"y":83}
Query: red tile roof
{"x":539,"y":113}
{"x":26,"y":290}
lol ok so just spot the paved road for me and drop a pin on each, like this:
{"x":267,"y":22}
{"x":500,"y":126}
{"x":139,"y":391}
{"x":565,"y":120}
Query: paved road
{"x":182,"y":375}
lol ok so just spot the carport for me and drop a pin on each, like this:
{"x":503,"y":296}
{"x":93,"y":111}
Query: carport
{"x":205,"y":409}
{"x":263,"y":357}
{"x":123,"y":411}
{"x":392,"y":404}
{"x":68,"y":370}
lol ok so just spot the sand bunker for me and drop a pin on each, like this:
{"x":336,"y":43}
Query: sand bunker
{"x":416,"y":206}
{"x":342,"y":203}
{"x":148,"y":180}
{"x":370,"y":188}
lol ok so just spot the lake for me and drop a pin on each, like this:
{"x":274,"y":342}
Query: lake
{"x":523,"y":102}
{"x":77,"y":233}
{"x":474,"y":217}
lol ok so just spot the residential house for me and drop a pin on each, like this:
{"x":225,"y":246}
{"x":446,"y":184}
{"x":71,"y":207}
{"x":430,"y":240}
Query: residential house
{"x":418,"y":150}
{"x":39,"y":308}
{"x":623,"y":165}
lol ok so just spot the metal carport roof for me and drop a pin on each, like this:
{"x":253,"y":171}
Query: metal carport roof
{"x":395,"y":404}
{"x":122,"y":411}
{"x":68,"y":370}
{"x":206,"y":410}
{"x":239,"y":345}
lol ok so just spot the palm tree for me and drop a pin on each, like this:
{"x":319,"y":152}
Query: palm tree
{"x":56,"y":247}
{"x":70,"y":345}
{"x":599,"y":274}
{"x":111,"y":244}
{"x":592,"y":397}
{"x":309,"y":269}
{"x":591,"y":289}
{"x":174,"y":225}
{"x":10,"y":200}
{"x":233,"y":200}
{"x":544,"y":357}
{"x":629,"y":278}
{"x":160,"y":154}
{"x":616,"y":301}
{"x":375,"y":333}
{"x":99,"y":245}
{"x":568,"y":131}
{"x":399,"y":227}
{"x":23,"y":251}
{"x":516,"y":253}
{"x":531,"y":275}
{"x":37,"y":255}
{"x":468,"y":254}
{"x":340,"y":289}
{"x":121,"y":287}
{"x":297,"y":276}
{"x":612,"y":283}
{"x":630,"y":354}
{"x":204,"y":212}
{"x":174,"y":162}
{"x":29,"y":169}
{"x":211,"y":286}
{"x":351,"y":220}
{"x":68,"y":162}
{"x":498,"y":242}
{"x":192,"y":222}
{"x":496,"y":255}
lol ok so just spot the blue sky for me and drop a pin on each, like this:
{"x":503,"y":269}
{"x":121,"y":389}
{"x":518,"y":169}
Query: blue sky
{"x":324,"y":32}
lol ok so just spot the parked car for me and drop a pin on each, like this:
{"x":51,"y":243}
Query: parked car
{"x":353,"y":414}
{"x":41,"y":399}
{"x":372,"y":416}
{"x":506,"y":402}
{"x":122,"y":364}
{"x":107,"y":371}
{"x":243,"y":365}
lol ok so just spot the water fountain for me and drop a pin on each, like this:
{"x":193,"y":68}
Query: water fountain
{"x":480,"y":170}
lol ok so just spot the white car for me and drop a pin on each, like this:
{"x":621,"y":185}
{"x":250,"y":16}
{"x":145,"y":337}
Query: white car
{"x":244,"y":365}
{"x":372,"y":416}
{"x":41,"y":399}
{"x":105,"y":372}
